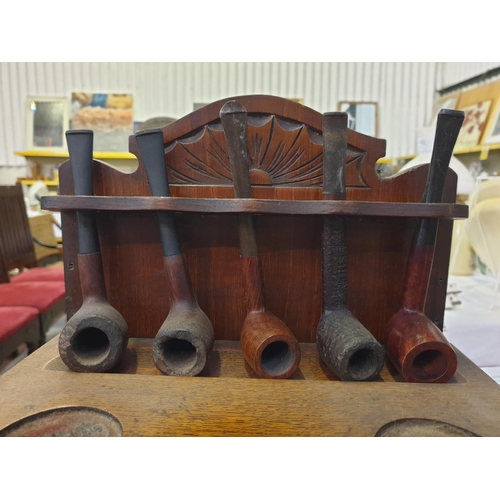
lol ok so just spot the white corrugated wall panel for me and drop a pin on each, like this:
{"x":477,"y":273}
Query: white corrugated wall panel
{"x":456,"y":72}
{"x":404,"y":91}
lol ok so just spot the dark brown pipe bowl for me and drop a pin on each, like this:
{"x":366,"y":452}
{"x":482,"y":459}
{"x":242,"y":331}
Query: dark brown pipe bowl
{"x":184,"y":342}
{"x":347,"y":347}
{"x":268,"y":346}
{"x":418,"y":349}
{"x":94,"y":338}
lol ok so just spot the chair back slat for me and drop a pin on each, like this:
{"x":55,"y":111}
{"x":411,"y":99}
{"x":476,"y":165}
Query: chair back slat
{"x":16,"y":244}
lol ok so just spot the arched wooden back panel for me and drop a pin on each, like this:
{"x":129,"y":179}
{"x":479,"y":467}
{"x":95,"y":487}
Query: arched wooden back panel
{"x":285,"y":144}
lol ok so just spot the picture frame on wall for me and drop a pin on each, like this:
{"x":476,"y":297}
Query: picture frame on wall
{"x":447,"y":101}
{"x":494,"y":132}
{"x":476,"y":116}
{"x":362,"y":116}
{"x":109,"y":115}
{"x":47,"y":119}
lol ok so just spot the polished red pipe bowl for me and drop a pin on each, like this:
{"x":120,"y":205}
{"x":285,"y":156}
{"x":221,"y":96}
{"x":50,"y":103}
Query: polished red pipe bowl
{"x":418,"y":348}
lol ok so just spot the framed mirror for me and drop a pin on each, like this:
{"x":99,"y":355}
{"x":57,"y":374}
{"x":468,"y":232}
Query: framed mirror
{"x":362,"y":116}
{"x":47,"y":119}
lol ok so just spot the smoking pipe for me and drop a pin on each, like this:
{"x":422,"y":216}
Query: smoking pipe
{"x":268,"y":346}
{"x":186,"y":337}
{"x":414,"y":344}
{"x":343,"y":343}
{"x":95,"y":337}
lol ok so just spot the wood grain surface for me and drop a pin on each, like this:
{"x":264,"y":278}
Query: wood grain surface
{"x":228,"y":401}
{"x":251,"y":206}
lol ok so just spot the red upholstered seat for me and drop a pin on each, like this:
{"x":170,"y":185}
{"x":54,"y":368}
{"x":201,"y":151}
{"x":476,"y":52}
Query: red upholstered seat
{"x":40,"y":295}
{"x":14,"y":318}
{"x":40,"y":274}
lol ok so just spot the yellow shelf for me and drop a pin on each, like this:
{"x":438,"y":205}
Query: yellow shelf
{"x":112,"y":155}
{"x":460,"y":151}
{"x":30,"y":182}
{"x":99,"y":155}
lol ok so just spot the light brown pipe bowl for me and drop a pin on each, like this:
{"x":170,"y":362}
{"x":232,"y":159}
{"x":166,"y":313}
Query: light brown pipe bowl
{"x":184,"y":342}
{"x":268,"y":346}
{"x":418,"y":349}
{"x":94,"y":338}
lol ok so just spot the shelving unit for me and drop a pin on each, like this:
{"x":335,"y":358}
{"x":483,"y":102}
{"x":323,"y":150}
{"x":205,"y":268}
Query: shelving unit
{"x":483,"y":149}
{"x":124,"y":161}
{"x":30,"y":182}
{"x":468,"y":94}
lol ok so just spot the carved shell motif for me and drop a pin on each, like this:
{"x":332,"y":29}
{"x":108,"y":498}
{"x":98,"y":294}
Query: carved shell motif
{"x":283,"y":153}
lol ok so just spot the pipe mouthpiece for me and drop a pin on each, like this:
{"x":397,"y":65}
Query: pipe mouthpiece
{"x":452,"y":112}
{"x":152,"y":152}
{"x":231,"y":108}
{"x":149,"y":133}
{"x":334,"y":119}
{"x":449,"y":123}
{"x":80,"y":148}
{"x":74,"y":133}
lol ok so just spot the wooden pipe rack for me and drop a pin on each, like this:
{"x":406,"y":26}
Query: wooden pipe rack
{"x":116,"y":214}
{"x":285,"y":146}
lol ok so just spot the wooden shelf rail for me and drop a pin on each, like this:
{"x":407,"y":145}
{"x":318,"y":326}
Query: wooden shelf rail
{"x":253,"y":206}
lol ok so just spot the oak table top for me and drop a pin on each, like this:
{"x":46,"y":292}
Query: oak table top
{"x":229,"y":401}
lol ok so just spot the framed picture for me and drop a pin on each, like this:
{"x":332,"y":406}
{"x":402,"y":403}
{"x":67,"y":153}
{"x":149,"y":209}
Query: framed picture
{"x":47,"y":119}
{"x":447,"y":101}
{"x":110,"y":116}
{"x":494,"y":132}
{"x":474,"y":123}
{"x":362,"y":116}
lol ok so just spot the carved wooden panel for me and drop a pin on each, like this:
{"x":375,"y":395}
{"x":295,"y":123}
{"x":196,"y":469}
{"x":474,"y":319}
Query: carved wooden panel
{"x":284,"y":140}
{"x":283,"y":153}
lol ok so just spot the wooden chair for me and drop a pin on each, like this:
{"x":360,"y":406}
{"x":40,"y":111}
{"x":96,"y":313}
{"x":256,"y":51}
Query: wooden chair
{"x":16,"y":239}
{"x":44,"y":241}
{"x":40,"y":288}
{"x":18,"y":326}
{"x":16,"y":243}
